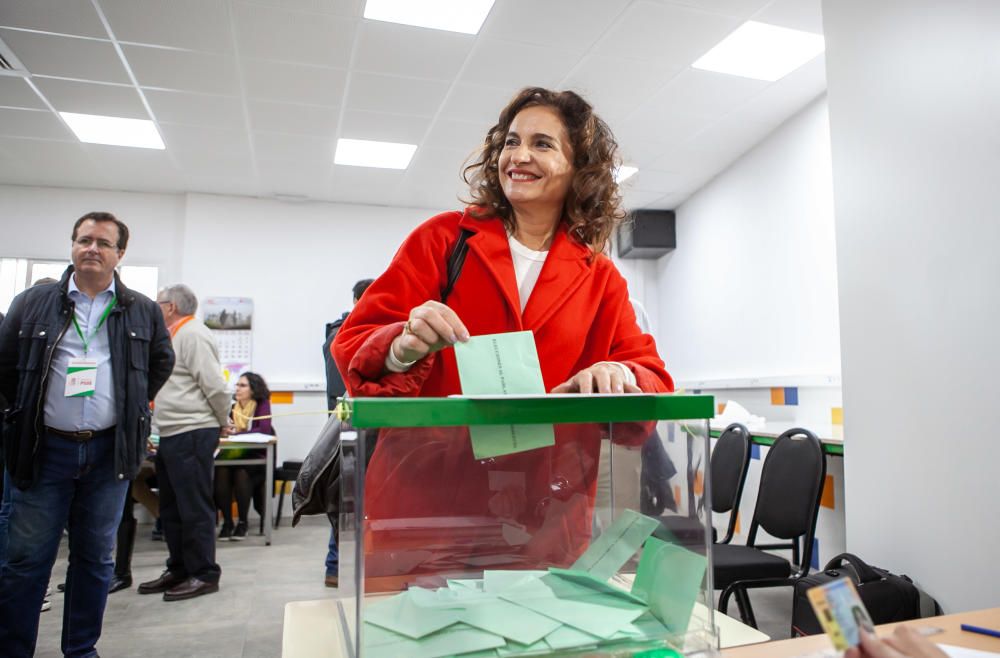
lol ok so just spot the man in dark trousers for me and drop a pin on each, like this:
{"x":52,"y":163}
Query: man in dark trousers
{"x":335,"y":388}
{"x":79,"y":362}
{"x":191,"y":410}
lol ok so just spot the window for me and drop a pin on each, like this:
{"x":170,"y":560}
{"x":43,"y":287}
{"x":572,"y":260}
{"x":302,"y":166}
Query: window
{"x":16,"y":274}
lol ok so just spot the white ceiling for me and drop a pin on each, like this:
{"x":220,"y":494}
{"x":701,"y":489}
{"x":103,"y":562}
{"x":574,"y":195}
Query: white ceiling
{"x":250,"y":96}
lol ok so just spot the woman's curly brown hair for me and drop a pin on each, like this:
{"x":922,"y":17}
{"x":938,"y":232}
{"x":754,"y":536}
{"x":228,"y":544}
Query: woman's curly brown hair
{"x":593,"y":204}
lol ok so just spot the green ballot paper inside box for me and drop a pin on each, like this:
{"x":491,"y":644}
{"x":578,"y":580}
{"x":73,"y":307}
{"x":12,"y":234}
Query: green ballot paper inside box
{"x":503,"y":364}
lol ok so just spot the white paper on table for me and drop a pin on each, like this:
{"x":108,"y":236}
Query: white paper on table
{"x":962,"y":652}
{"x":250,"y":437}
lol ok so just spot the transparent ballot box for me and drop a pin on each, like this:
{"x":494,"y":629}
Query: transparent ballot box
{"x":523,"y":526}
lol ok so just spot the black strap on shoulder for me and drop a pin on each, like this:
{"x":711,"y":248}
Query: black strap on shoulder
{"x":455,"y":262}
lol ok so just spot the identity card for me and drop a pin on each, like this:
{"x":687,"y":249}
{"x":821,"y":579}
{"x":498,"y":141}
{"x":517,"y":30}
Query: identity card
{"x":841,"y":612}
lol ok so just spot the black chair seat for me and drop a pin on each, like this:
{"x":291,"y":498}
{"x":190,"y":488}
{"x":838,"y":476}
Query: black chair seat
{"x":731,"y":563}
{"x":683,"y":530}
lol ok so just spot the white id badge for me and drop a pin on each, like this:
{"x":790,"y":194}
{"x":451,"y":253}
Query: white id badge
{"x":81,"y":378}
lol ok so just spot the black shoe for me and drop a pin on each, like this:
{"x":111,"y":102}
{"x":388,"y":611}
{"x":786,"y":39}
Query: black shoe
{"x":189,"y":589}
{"x":166,"y":580}
{"x":61,"y":587}
{"x":241,"y":531}
{"x":226,"y":533}
{"x":119,"y":583}
{"x":157,"y":532}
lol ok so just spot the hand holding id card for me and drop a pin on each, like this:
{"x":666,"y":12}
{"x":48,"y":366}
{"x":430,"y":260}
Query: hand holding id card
{"x":841,"y":612}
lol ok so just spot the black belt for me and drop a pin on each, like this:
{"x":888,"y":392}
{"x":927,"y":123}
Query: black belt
{"x":82,"y":435}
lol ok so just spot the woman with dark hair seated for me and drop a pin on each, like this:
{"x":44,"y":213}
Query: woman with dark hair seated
{"x":543,"y":205}
{"x":251,"y":406}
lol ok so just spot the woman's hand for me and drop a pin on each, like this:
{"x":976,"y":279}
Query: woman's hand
{"x":432,"y":326}
{"x":598,"y":378}
{"x":904,"y":643}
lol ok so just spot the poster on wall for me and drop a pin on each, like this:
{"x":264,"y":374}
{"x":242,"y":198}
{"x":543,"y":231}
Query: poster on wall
{"x":231,"y":322}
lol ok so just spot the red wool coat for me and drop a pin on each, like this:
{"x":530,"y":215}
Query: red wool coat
{"x":426,"y":495}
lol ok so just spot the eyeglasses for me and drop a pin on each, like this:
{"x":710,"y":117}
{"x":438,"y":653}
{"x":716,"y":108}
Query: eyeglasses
{"x":101,"y":244}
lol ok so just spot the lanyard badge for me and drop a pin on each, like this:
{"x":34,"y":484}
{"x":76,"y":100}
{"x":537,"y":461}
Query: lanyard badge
{"x":81,"y":372}
{"x":81,"y":378}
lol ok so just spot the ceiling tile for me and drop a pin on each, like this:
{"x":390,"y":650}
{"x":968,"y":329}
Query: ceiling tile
{"x":66,"y":57}
{"x":92,"y":98}
{"x":194,"y":24}
{"x":44,"y":162}
{"x":733,"y":8}
{"x":651,"y":180}
{"x":128,"y":167}
{"x":36,"y":124}
{"x":62,"y":16}
{"x":15,"y":92}
{"x":339,"y":7}
{"x":223,"y":184}
{"x":267,"y":116}
{"x":300,"y":148}
{"x":384,"y":93}
{"x":555,"y":23}
{"x":476,"y":103}
{"x":438,"y":166}
{"x":365,"y":184}
{"x":383,"y":127}
{"x":615,"y":86}
{"x":289,"y":36}
{"x":283,"y":82}
{"x":463,"y":136}
{"x":787,"y":96}
{"x":634,"y":199}
{"x":671,"y":34}
{"x":516,"y":65}
{"x":214,"y":164}
{"x":706,"y":93}
{"x":183,"y":70}
{"x":190,"y":140}
{"x":796,"y":14}
{"x":410,"y":51}
{"x":195,"y":109}
{"x":284,"y":177}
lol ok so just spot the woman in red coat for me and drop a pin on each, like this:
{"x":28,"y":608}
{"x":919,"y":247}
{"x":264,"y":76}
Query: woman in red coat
{"x":544,"y":204}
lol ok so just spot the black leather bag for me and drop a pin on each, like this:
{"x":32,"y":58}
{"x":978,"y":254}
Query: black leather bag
{"x":887,"y":597}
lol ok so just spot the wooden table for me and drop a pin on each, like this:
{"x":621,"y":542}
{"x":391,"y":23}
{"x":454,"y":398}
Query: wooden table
{"x":990,"y":618}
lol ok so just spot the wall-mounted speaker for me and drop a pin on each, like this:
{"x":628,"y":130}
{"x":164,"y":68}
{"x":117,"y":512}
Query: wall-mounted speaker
{"x":647,"y":234}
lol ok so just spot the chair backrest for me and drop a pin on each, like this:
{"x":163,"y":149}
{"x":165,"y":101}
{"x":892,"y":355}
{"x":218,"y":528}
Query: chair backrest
{"x":729,"y":466}
{"x":791,"y":485}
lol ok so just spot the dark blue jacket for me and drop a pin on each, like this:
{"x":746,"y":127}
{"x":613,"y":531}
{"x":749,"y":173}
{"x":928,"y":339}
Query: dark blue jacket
{"x":141,"y":361}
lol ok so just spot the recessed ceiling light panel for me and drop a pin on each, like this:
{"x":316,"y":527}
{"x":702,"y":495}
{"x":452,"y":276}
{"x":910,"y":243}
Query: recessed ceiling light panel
{"x":114,"y":131}
{"x":465,"y":16}
{"x":365,"y":153}
{"x":762,"y":52}
{"x":624,"y":172}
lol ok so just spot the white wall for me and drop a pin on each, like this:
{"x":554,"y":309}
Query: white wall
{"x":37,"y":222}
{"x":751,"y":290}
{"x":914,"y":92}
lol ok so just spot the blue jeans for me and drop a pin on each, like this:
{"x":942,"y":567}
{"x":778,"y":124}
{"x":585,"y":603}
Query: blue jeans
{"x":332,"y":557}
{"x":76,"y":487}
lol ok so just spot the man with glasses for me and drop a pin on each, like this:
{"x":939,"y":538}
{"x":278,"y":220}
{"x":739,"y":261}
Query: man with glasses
{"x":80,"y":361}
{"x":191,"y":410}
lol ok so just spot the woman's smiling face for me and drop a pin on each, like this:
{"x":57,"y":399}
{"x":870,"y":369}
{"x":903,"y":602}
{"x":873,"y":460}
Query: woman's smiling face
{"x":536,"y":164}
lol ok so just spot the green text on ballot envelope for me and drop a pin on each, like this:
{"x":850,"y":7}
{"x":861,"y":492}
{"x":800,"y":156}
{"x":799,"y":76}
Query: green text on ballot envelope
{"x":502,"y":364}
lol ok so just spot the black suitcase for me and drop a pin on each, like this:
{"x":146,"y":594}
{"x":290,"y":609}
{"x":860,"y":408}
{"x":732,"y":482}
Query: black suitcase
{"x":887,"y":596}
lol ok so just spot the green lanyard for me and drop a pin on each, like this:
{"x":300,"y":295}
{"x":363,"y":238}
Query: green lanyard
{"x":100,"y":323}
